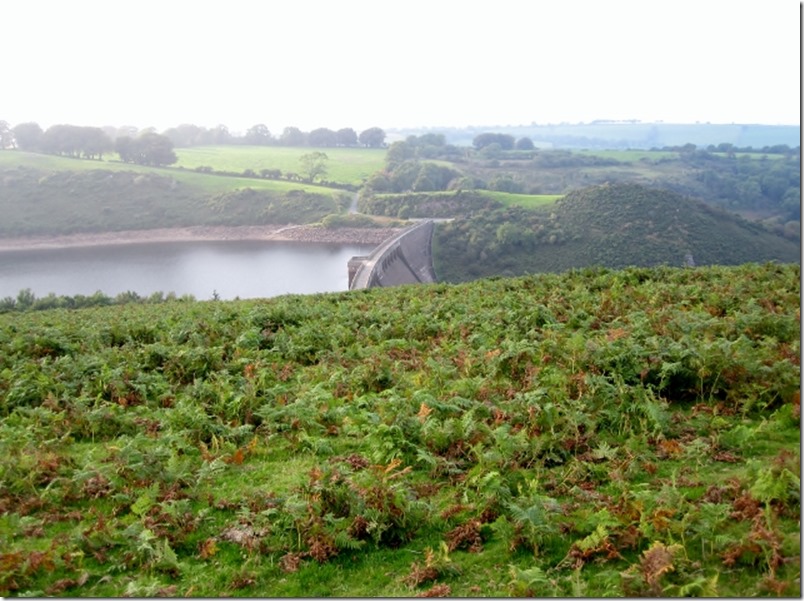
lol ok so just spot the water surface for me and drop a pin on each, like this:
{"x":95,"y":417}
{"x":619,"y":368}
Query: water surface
{"x":229,"y":269}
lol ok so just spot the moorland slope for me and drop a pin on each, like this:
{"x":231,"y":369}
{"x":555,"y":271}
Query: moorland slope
{"x":593,"y":433}
{"x":610,"y":225}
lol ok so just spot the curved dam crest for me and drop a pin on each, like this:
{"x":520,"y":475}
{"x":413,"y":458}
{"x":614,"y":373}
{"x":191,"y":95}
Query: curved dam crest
{"x":404,"y":259}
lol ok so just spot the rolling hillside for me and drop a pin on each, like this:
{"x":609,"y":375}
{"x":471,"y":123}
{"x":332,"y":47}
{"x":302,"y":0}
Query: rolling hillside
{"x":47,"y":195}
{"x":610,"y":225}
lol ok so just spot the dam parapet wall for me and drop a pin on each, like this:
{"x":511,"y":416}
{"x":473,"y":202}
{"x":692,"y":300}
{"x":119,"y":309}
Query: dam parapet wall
{"x":404,"y":259}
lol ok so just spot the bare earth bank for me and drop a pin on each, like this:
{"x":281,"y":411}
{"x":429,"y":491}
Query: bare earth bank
{"x":284,"y":233}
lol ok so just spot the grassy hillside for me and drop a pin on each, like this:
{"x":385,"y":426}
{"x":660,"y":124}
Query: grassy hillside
{"x":594,"y":433}
{"x":42,"y":194}
{"x":760,"y":186}
{"x":611,"y":225}
{"x":344,"y":165}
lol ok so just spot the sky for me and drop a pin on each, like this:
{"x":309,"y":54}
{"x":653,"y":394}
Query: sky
{"x":398,"y":63}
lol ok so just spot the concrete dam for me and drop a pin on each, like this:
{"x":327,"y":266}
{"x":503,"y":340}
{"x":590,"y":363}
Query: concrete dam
{"x":404,"y":259}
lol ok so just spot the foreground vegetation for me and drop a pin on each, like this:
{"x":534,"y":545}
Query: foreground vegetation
{"x":596,"y":433}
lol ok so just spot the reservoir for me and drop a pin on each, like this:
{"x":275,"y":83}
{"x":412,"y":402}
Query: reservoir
{"x":230,"y":269}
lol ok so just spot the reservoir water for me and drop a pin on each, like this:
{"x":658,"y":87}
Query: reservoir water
{"x":229,"y":269}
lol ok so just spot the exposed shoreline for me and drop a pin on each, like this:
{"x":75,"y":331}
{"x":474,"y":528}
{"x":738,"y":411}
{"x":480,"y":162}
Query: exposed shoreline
{"x":267,"y":233}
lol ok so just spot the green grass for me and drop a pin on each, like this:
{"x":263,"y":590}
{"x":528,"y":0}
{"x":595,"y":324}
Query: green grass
{"x":592,"y":433}
{"x":49,"y":195}
{"x":528,"y":201}
{"x":202,"y":182}
{"x":630,"y":156}
{"x":345,"y":165}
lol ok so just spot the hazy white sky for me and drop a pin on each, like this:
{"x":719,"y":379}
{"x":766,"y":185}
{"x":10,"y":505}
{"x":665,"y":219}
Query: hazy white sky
{"x":398,"y":63}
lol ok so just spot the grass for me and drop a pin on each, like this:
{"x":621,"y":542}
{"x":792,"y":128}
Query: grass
{"x":202,"y":182}
{"x":528,"y":201}
{"x":344,"y":165}
{"x":51,"y":195}
{"x":630,"y":156}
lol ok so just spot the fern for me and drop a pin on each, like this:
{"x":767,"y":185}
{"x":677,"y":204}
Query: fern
{"x":594,"y":540}
{"x":781,"y":486}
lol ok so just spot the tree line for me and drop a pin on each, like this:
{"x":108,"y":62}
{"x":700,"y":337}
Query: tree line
{"x":91,"y":142}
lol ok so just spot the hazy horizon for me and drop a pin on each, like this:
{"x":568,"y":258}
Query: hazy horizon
{"x":421,"y":65}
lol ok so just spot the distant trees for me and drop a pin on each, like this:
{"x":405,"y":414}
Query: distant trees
{"x":412,"y":176}
{"x":148,"y":149}
{"x":6,"y":136}
{"x":524,"y":144}
{"x":505,"y":183}
{"x":258,"y":135}
{"x":185,"y":135}
{"x":346,"y":137}
{"x":322,"y":137}
{"x":398,"y":153}
{"x":28,"y":136}
{"x":505,"y":141}
{"x":292,"y":136}
{"x":76,"y":141}
{"x":372,"y":137}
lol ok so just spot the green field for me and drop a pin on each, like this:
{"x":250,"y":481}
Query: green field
{"x":49,"y":195}
{"x":589,"y":434}
{"x":528,"y":201}
{"x":202,"y":182}
{"x":629,"y":156}
{"x":344,"y":165}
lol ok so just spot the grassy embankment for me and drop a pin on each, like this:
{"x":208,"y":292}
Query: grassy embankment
{"x":593,"y":433}
{"x":48,"y":195}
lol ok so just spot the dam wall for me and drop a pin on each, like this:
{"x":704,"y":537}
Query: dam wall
{"x":404,"y":259}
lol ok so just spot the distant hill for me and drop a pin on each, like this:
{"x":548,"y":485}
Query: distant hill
{"x":623,"y":134}
{"x":610,"y":225}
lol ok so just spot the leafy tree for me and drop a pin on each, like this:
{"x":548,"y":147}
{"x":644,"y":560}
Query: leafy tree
{"x":293,"y":136}
{"x":6,"y":136}
{"x":791,"y":203}
{"x":184,"y":135}
{"x":155,"y":149}
{"x":398,"y":153}
{"x":505,"y":141}
{"x":259,"y":135}
{"x":346,"y":137}
{"x":404,"y":176}
{"x":313,"y":165}
{"x":524,"y":144}
{"x":505,"y":183}
{"x":220,"y":135}
{"x":322,"y":137}
{"x":372,"y":137}
{"x":124,"y":146}
{"x":491,"y":151}
{"x":148,"y":149}
{"x":73,"y":140}
{"x":28,"y":136}
{"x":431,"y":139}
{"x":378,"y":183}
{"x":59,"y":139}
{"x":94,"y":142}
